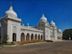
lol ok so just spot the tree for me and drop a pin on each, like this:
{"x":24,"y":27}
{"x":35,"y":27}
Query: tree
{"x":67,"y":34}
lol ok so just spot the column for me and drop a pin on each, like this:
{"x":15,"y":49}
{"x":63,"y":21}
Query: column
{"x":30,"y":37}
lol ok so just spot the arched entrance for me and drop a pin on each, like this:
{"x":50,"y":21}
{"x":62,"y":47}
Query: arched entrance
{"x":31,"y":36}
{"x":14,"y":37}
{"x":22,"y":36}
{"x":35,"y":36}
{"x":27,"y":36}
{"x":38,"y":37}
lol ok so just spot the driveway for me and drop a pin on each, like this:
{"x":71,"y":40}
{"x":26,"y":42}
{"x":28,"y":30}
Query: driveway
{"x":64,"y":47}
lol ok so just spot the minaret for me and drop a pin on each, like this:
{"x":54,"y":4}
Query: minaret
{"x":54,"y":29}
{"x":60,"y":33}
{"x":44,"y":25}
{"x":13,"y":25}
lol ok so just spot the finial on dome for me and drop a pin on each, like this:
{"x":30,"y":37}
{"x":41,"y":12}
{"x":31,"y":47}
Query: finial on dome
{"x":43,"y":15}
{"x":11,"y":8}
{"x":28,"y":24}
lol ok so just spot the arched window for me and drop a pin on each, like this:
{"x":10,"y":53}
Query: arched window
{"x":14,"y":37}
{"x":36,"y":36}
{"x":22,"y":36}
{"x":32,"y":36}
{"x":27,"y":36}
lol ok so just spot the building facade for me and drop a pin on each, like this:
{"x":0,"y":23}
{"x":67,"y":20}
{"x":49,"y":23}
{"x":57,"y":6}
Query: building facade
{"x":11,"y":29}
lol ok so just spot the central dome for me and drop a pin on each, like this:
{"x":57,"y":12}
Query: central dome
{"x":43,"y":18}
{"x":11,"y":12}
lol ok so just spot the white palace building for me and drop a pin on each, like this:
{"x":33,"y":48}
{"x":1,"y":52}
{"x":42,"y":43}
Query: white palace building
{"x":11,"y":29}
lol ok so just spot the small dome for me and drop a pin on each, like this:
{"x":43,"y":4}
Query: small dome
{"x":11,"y":12}
{"x":60,"y":30}
{"x":43,"y":18}
{"x":52,"y":23}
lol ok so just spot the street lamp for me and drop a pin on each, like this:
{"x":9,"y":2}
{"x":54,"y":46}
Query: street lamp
{"x":0,"y":34}
{"x":0,"y":24}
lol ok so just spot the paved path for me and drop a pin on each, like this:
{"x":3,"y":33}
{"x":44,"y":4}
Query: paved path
{"x":64,"y":47}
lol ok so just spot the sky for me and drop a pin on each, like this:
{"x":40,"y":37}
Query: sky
{"x":30,"y":11}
